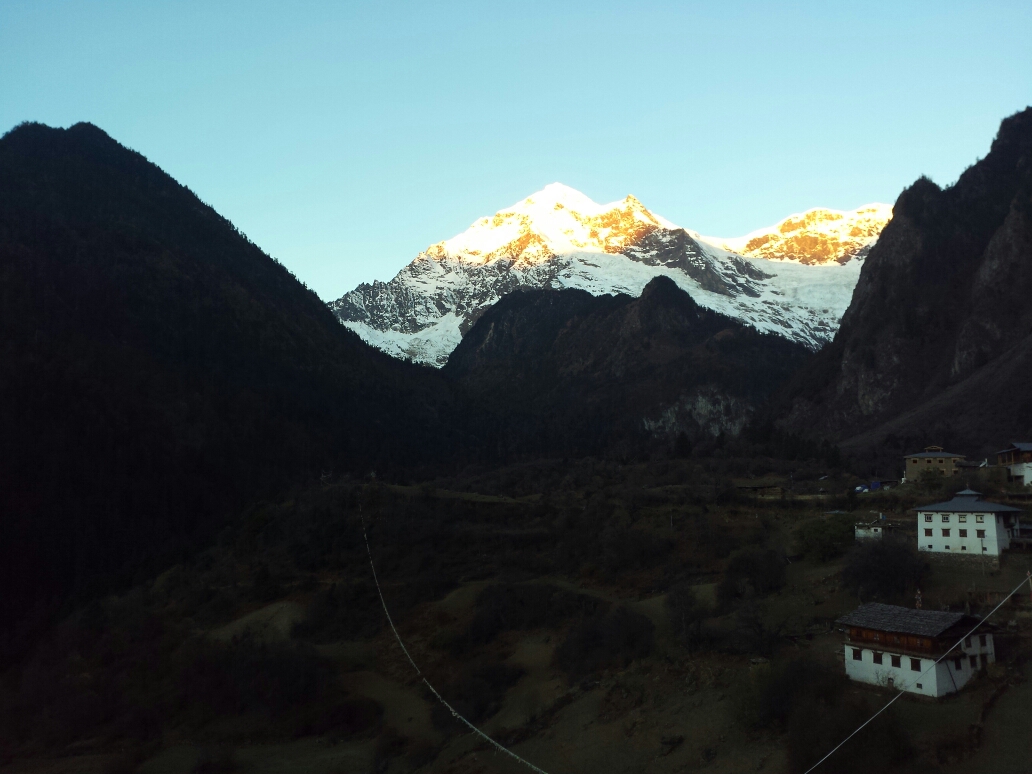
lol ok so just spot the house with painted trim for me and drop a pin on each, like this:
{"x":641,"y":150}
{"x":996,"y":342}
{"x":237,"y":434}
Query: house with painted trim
{"x":967,"y":525}
{"x":1017,"y":458}
{"x":914,"y":650}
{"x":932,"y":458}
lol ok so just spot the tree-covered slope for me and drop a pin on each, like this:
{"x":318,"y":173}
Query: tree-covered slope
{"x":158,"y":370}
{"x":564,"y":372}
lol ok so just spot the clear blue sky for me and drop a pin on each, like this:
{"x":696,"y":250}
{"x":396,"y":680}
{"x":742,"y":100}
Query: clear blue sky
{"x":345,"y":137}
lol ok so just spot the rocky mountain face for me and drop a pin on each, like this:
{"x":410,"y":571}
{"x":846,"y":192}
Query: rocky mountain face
{"x":794,"y":280}
{"x":935,"y":346}
{"x":565,"y":372}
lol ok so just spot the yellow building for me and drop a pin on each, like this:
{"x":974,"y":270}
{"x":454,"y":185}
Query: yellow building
{"x":932,"y":458}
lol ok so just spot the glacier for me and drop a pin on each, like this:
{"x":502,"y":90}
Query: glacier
{"x":794,"y":279}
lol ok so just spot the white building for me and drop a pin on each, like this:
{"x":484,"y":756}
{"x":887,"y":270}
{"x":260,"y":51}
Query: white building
{"x":1018,"y":461}
{"x":967,"y":525}
{"x":914,"y":650}
{"x":872,"y":530}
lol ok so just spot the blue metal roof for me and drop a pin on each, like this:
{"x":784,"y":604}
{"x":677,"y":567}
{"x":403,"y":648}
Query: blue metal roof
{"x":968,"y":501}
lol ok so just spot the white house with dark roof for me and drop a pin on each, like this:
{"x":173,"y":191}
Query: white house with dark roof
{"x":914,"y":650}
{"x":1017,"y":458}
{"x":967,"y":525}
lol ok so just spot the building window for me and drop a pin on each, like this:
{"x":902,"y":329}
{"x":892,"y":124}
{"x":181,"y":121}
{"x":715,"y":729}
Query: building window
{"x":897,"y":661}
{"x":962,"y":519}
{"x":946,"y":548}
{"x":858,"y":655}
{"x":981,"y":640}
{"x":979,"y":533}
{"x":919,"y":686}
{"x":945,"y":519}
{"x":957,"y":664}
{"x":974,"y":661}
{"x":877,"y":658}
{"x":929,"y":546}
{"x":945,"y":533}
{"x":961,"y":533}
{"x":915,"y":665}
{"x":967,"y":642}
{"x":928,"y":533}
{"x":984,"y":549}
{"x":963,"y":548}
{"x":979,"y":518}
{"x":928,"y":517}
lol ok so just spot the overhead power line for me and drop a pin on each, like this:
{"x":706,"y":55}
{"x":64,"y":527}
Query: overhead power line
{"x":450,"y":708}
{"x":898,"y":695}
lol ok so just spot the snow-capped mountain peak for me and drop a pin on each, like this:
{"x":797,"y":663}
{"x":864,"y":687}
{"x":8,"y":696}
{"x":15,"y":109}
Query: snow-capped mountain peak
{"x":794,"y":279}
{"x":818,"y":235}
{"x":554,"y":221}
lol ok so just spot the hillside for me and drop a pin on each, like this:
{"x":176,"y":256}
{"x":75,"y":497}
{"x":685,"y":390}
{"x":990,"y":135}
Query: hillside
{"x":935,"y":344}
{"x":565,"y":372}
{"x":160,"y":370}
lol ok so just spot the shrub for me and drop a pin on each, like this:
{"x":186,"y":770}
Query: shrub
{"x":611,"y":640}
{"x":288,"y":686}
{"x":752,"y":634}
{"x":815,"y":728}
{"x":822,"y":541}
{"x":709,"y":539}
{"x":751,"y":571}
{"x":477,"y":694}
{"x":507,"y":606}
{"x":631,"y":549}
{"x":346,"y":611}
{"x":931,"y":480}
{"x":883,"y":569}
{"x":686,"y":614}
{"x":774,"y":693}
{"x":215,"y":760}
{"x":808,"y":698}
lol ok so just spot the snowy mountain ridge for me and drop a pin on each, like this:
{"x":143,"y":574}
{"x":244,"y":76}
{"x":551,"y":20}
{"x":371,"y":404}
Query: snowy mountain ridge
{"x":794,"y":279}
{"x":816,"y":236}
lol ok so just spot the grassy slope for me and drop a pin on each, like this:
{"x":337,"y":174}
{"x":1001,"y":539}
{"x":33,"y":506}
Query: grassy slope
{"x":482,"y":527}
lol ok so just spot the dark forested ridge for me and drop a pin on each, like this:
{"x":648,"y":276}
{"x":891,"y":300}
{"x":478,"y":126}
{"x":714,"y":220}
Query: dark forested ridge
{"x":158,"y":370}
{"x":937,"y":342}
{"x":562,"y":371}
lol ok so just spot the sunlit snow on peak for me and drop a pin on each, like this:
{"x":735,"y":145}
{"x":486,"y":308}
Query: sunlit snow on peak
{"x":557,"y":220}
{"x":794,"y":279}
{"x":816,"y":236}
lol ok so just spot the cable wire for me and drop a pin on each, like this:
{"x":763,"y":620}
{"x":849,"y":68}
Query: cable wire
{"x":426,"y":682}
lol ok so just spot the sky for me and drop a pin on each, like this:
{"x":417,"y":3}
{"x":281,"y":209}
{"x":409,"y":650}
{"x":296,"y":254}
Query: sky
{"x":344,"y":138}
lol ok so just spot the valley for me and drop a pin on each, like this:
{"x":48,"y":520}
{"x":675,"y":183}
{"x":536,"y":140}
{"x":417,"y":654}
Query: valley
{"x":609,"y":473}
{"x":511,"y":588}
